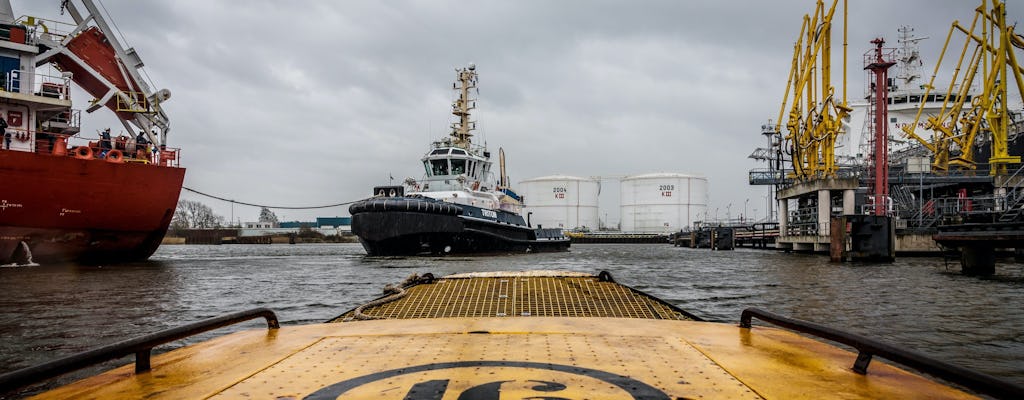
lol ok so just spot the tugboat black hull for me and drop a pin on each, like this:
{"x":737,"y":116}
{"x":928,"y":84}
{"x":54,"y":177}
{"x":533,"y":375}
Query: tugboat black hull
{"x":398,"y":229}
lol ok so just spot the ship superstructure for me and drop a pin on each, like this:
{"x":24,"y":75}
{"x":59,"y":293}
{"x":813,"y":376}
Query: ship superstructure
{"x":458,"y":206}
{"x":457,"y":170}
{"x":907,"y":97}
{"x":71,"y":196}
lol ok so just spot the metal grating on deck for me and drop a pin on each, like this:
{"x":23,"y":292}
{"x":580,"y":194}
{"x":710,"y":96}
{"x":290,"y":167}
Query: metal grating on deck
{"x":523,"y":296}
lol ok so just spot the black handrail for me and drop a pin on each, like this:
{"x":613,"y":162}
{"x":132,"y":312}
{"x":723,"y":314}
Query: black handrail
{"x":977,"y":381}
{"x":140,"y":346}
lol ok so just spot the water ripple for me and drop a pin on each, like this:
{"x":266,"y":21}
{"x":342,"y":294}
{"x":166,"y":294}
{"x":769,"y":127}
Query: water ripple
{"x":923,"y":303}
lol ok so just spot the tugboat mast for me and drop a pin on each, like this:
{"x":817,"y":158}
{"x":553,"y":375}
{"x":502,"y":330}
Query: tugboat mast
{"x":462,"y":129}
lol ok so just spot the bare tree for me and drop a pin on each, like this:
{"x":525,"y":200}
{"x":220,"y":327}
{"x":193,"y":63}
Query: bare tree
{"x":192,"y":214}
{"x":268,"y":216}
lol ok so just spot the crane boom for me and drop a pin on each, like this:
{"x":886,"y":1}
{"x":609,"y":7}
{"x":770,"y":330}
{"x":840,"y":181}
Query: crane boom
{"x":104,"y":68}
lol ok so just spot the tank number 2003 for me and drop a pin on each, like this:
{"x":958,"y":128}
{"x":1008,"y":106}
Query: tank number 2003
{"x":559,"y":192}
{"x":666,"y":190}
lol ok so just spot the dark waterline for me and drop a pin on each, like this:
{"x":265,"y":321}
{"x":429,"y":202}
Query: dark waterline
{"x":923,"y":303}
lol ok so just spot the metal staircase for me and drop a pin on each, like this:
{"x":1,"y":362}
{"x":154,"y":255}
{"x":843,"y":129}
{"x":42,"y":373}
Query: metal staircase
{"x":1014,"y":197}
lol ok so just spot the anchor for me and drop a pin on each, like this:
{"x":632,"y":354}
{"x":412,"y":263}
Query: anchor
{"x":22,"y":255}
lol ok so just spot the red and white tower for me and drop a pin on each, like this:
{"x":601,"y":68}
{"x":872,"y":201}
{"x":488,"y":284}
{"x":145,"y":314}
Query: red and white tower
{"x":878,"y":62}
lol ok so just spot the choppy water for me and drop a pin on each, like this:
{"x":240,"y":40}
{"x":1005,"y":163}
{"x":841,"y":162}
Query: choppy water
{"x":924,"y":303}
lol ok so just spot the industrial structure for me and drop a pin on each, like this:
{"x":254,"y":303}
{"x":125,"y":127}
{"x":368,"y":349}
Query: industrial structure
{"x":562,"y":201}
{"x":662,"y":202}
{"x":918,"y":155}
{"x":654,"y":204}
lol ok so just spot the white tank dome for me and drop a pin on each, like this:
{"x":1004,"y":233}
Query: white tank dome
{"x":662,"y":202}
{"x":561,"y":201}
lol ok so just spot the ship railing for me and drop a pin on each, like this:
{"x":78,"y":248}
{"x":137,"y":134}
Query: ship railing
{"x":447,"y":142}
{"x":141,"y":347}
{"x":49,"y":29}
{"x":58,"y":144}
{"x":867,"y":348}
{"x":41,"y":142}
{"x":43,"y":85}
{"x":132,"y":102}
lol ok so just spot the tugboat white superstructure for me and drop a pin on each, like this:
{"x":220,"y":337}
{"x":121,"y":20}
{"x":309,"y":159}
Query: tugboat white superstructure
{"x":457,"y":207}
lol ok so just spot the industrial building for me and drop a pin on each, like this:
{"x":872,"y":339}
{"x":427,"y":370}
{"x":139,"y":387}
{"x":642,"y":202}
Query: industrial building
{"x":329,"y":226}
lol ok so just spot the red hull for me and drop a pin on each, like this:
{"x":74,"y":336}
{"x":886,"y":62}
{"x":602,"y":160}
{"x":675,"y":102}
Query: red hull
{"x":68,"y":209}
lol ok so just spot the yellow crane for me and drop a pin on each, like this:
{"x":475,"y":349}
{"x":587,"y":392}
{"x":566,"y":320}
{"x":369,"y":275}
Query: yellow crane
{"x":815,"y":114}
{"x":964,"y":117}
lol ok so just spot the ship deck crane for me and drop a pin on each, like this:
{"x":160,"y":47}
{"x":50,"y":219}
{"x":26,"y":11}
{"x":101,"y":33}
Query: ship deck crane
{"x":104,"y":68}
{"x":963,"y":118}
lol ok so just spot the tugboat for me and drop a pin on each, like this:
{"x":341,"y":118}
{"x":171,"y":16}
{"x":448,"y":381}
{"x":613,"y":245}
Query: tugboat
{"x":457,"y":207}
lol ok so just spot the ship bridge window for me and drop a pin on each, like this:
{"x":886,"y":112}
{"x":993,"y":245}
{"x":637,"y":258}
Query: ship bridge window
{"x":458,"y":151}
{"x":439,"y":167}
{"x":426,"y":166}
{"x":458,"y":167}
{"x":440,"y":151}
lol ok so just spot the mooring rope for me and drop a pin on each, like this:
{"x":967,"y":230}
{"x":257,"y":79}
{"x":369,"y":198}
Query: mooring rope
{"x":262,"y":205}
{"x":397,"y":293}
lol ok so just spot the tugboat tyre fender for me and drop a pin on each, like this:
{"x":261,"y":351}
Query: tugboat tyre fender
{"x":401,"y":204}
{"x":115,"y":156}
{"x":83,"y":153}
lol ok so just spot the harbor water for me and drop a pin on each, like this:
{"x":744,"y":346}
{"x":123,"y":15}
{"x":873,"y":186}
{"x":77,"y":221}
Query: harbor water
{"x":923,"y":303}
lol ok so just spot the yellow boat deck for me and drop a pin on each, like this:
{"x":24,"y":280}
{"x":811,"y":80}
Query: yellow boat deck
{"x":511,"y":337}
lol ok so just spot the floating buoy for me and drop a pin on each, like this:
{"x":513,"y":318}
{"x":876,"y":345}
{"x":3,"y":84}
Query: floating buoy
{"x":83,"y":153}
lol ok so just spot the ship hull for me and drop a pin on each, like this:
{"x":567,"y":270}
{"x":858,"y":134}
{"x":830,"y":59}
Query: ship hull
{"x":408,"y":227}
{"x":67,"y":209}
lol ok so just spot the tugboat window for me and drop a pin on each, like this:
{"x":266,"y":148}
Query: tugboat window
{"x":458,"y":167}
{"x":426,"y":166}
{"x":458,"y":151}
{"x":440,"y":167}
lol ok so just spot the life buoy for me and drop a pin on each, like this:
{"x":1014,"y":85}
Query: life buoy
{"x":115,"y":156}
{"x":83,"y":153}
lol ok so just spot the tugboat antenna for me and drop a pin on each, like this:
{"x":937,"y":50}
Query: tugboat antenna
{"x":462,"y":130}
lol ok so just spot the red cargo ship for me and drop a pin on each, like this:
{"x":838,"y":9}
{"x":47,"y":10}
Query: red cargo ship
{"x":63,"y":196}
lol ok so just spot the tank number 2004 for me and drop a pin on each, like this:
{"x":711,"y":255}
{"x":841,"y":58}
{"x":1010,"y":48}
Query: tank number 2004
{"x":559,"y":192}
{"x":666,"y":190}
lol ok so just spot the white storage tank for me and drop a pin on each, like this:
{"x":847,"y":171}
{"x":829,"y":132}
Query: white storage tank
{"x":561,"y":201}
{"x":662,"y":202}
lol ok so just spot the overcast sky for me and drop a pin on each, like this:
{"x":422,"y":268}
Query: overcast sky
{"x":303,"y":103}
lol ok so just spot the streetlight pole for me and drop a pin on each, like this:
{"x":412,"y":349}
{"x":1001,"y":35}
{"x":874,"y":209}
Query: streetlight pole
{"x":728,"y":215}
{"x":745,"y":208}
